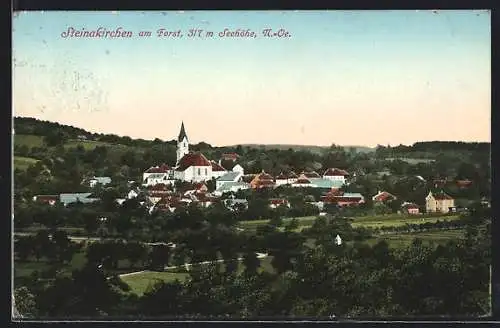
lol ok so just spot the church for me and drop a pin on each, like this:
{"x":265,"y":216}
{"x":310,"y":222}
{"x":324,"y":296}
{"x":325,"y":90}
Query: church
{"x":189,"y":166}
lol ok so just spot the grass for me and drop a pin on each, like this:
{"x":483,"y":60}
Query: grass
{"x":304,"y":221}
{"x":390,"y":220}
{"x":140,"y":282}
{"x":397,"y":220}
{"x":28,"y":140}
{"x":403,"y":240}
{"x":88,"y":144}
{"x":22,"y":163}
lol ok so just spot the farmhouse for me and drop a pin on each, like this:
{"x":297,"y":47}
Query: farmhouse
{"x":383,"y":196}
{"x":343,"y":199}
{"x":228,"y":177}
{"x":232,"y":186}
{"x":262,"y":180}
{"x":336,"y":174}
{"x":439,"y":202}
{"x":230,"y":157}
{"x":410,"y":208}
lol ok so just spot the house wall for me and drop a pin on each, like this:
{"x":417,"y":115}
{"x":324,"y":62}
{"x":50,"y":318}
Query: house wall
{"x":335,"y":178}
{"x":198,"y":173}
{"x":444,"y":205}
{"x":238,"y":168}
{"x":280,"y":182}
{"x":218,"y":174}
{"x":430,"y":204}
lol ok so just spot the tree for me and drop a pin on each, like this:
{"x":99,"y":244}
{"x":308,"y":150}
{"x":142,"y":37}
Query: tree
{"x":25,"y":302}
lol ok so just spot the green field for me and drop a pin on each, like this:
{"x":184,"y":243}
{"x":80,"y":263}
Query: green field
{"x":28,"y":140}
{"x":139,"y":282}
{"x":22,"y":163}
{"x":397,"y":220}
{"x":88,"y":144}
{"x":389,"y":220}
{"x":405,"y":239}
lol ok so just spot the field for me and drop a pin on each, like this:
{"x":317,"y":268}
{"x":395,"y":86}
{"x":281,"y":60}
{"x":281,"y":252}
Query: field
{"x":140,"y":281}
{"x":28,"y":140}
{"x":377,"y":221}
{"x":404,"y":239}
{"x":22,"y":163}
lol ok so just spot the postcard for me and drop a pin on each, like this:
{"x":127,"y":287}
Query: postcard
{"x":251,"y":165}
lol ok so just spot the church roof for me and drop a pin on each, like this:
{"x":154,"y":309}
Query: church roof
{"x":182,"y":134}
{"x":193,"y":159}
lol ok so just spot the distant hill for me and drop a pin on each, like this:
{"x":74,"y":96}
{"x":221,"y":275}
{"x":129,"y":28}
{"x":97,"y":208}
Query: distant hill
{"x":311,"y":148}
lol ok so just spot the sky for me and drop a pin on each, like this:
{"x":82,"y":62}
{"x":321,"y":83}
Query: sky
{"x":343,"y":77}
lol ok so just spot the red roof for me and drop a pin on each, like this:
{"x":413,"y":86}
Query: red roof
{"x":217,"y":168}
{"x":264,"y":176}
{"x":192,"y":159}
{"x":233,"y":156}
{"x":331,"y":172}
{"x":410,"y":206}
{"x":442,"y":196}
{"x":312,"y":174}
{"x":164,"y":168}
{"x":383,"y":196}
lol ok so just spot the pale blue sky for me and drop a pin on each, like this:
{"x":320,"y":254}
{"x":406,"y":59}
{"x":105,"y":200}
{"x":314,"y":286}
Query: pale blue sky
{"x":359,"y":77}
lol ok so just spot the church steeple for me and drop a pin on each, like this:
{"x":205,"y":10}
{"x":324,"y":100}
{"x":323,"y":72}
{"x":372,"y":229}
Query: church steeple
{"x":182,"y":144}
{"x":182,"y":134}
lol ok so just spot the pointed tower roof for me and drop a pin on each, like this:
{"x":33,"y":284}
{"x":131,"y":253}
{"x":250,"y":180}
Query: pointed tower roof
{"x":182,"y":134}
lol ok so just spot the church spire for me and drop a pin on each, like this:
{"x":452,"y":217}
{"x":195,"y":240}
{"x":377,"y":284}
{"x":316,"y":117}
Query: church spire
{"x":182,"y":134}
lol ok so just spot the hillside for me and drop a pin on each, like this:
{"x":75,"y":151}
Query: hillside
{"x":311,"y":148}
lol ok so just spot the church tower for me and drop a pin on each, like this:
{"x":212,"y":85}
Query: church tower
{"x":182,"y":144}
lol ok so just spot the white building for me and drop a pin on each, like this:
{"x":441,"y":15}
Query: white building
{"x":158,"y":174}
{"x":228,"y":177}
{"x":239,"y":168}
{"x":231,"y":187}
{"x":336,"y":174}
{"x":193,"y":167}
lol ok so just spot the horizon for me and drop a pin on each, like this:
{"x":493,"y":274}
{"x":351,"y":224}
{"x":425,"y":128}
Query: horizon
{"x":425,"y":75}
{"x":251,"y":144}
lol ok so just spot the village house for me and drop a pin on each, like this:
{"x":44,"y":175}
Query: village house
{"x":238,"y":168}
{"x":232,"y":187}
{"x":262,"y":180}
{"x":304,"y":182}
{"x":439,"y":202}
{"x":158,"y":174}
{"x":228,"y":177}
{"x":343,"y":199}
{"x":383,"y":196}
{"x":84,"y":198}
{"x":336,"y":174}
{"x":230,"y":157}
{"x":410,"y":208}
{"x":286,"y":178}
